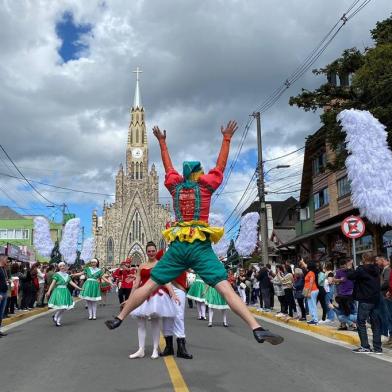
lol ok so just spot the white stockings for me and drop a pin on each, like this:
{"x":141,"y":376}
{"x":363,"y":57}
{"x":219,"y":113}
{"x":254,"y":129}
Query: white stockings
{"x":92,"y":309}
{"x":58,"y":316}
{"x":201,"y":309}
{"x":141,"y":332}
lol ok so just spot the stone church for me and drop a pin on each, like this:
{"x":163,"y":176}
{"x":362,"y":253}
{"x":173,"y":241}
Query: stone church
{"x":136,"y":216}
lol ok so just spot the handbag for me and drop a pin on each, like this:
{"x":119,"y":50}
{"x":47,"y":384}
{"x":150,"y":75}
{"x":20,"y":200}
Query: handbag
{"x":306,"y":293}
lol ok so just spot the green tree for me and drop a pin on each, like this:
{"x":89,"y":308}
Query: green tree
{"x":370,"y":87}
{"x":55,"y":256}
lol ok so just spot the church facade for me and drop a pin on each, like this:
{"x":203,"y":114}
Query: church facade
{"x":136,"y":216}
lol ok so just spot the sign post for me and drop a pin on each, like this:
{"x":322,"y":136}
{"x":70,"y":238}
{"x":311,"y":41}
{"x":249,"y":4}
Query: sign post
{"x":353,"y":227}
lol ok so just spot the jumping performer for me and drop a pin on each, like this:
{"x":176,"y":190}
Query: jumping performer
{"x":158,"y":305}
{"x":190,"y":236}
{"x":91,"y":287}
{"x":215,"y":301}
{"x":61,"y":298}
{"x":197,"y":292}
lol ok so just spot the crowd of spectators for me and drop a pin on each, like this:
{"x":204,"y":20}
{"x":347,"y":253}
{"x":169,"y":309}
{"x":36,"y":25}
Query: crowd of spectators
{"x":341,"y":296}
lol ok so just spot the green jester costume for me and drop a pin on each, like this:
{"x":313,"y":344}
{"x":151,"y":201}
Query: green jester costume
{"x":91,"y":287}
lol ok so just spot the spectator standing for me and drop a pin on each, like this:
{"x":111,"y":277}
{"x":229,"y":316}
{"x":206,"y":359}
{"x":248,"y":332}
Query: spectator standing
{"x":366,"y":291}
{"x":265,"y":288}
{"x":272,"y":291}
{"x":311,"y":291}
{"x":287,"y":283}
{"x":278,"y":289}
{"x":27,"y":288}
{"x":385,"y":300}
{"x":298,"y":286}
{"x":12,"y":302}
{"x":329,"y":290}
{"x":322,"y":293}
{"x":344,"y":287}
{"x":41,"y":285}
{"x":241,"y":285}
{"x":4,"y":286}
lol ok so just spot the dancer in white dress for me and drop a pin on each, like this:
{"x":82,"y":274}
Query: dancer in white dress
{"x":160,"y":304}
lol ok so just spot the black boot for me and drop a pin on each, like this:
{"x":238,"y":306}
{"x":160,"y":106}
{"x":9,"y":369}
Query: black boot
{"x":181,"y":349}
{"x":262,"y":335}
{"x":169,"y":347}
{"x":112,"y":324}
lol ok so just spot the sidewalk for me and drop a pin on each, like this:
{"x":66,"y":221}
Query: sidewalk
{"x":327,"y":330}
{"x":21,"y":315}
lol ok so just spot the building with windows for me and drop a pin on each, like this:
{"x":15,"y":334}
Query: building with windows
{"x":136,"y":216}
{"x":18,"y":230}
{"x":325,"y":200}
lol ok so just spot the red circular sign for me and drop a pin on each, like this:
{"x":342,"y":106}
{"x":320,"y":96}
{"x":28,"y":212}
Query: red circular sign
{"x":353,"y":227}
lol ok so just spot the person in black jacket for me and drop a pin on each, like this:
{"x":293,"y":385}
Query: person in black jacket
{"x":367,"y":292}
{"x":4,"y":285}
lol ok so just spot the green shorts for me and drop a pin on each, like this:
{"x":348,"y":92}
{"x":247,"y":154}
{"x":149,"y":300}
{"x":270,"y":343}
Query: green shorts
{"x":183,"y":255}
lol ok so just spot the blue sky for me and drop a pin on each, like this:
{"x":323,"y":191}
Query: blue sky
{"x":71,"y":35}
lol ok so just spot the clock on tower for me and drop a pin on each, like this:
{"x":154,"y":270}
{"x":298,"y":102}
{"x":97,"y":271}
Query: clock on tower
{"x":137,"y":153}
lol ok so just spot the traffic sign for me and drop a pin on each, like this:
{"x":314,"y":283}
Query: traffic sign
{"x":353,"y":227}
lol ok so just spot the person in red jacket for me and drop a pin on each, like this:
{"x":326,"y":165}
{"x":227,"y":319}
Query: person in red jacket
{"x":191,"y":236}
{"x":124,"y":276}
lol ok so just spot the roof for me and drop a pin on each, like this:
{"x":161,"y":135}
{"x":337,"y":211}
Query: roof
{"x":312,"y":234}
{"x":279,"y":208}
{"x":284,"y":235}
{"x":9,"y":213}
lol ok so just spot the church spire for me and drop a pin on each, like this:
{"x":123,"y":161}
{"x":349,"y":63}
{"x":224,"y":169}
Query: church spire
{"x":137,"y":101}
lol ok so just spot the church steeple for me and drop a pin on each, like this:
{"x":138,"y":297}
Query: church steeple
{"x":137,"y":148}
{"x":137,"y":100}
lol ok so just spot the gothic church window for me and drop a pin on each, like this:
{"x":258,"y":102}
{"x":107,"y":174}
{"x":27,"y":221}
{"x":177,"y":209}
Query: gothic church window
{"x":140,"y":231}
{"x":141,"y":170}
{"x":133,"y":231}
{"x":109,"y":251}
{"x":130,"y":238}
{"x":137,"y":136}
{"x":143,"y":238}
{"x":133,"y":170}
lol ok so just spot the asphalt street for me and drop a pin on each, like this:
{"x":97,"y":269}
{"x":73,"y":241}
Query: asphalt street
{"x":83,"y":355}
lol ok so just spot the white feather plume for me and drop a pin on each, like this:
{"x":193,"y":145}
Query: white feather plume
{"x":42,"y":241}
{"x":369,"y":165}
{"x":69,"y":242}
{"x":247,"y":238}
{"x":88,"y":249}
{"x":222,"y":246}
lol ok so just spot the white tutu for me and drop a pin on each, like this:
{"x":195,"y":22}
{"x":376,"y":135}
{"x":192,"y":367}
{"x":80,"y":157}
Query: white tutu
{"x":159,"y":305}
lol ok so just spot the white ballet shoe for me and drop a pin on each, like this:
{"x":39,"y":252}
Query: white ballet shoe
{"x":138,"y":354}
{"x":155,"y":354}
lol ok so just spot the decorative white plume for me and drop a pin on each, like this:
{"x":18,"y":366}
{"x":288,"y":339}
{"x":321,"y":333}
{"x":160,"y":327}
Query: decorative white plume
{"x":222,"y":246}
{"x":247,"y":238}
{"x":88,"y":249}
{"x":42,"y":241}
{"x":369,"y":165}
{"x":69,"y":242}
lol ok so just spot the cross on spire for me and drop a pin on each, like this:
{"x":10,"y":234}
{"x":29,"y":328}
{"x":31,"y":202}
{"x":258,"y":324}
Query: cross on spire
{"x":137,"y":71}
{"x":137,"y":102}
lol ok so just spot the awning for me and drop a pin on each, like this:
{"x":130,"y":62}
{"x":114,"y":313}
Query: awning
{"x":315,"y":233}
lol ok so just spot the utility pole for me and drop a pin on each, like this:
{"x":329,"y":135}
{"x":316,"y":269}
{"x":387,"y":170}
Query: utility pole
{"x":261,"y":192}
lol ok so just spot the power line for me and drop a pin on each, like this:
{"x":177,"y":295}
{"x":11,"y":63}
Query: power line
{"x":31,"y":185}
{"x":296,"y":75}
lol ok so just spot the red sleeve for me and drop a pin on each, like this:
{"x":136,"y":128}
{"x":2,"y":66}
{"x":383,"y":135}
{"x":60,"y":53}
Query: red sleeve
{"x":213,"y":179}
{"x":172,"y":178}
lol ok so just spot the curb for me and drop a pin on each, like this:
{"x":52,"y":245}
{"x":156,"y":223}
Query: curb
{"x":320,"y":330}
{"x":23,"y":316}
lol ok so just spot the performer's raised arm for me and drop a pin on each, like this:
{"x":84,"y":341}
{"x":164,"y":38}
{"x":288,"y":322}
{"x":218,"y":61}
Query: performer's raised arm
{"x":227,"y":133}
{"x":161,"y":136}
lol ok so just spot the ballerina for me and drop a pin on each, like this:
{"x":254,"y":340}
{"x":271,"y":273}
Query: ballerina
{"x":160,"y":304}
{"x":59,"y":296}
